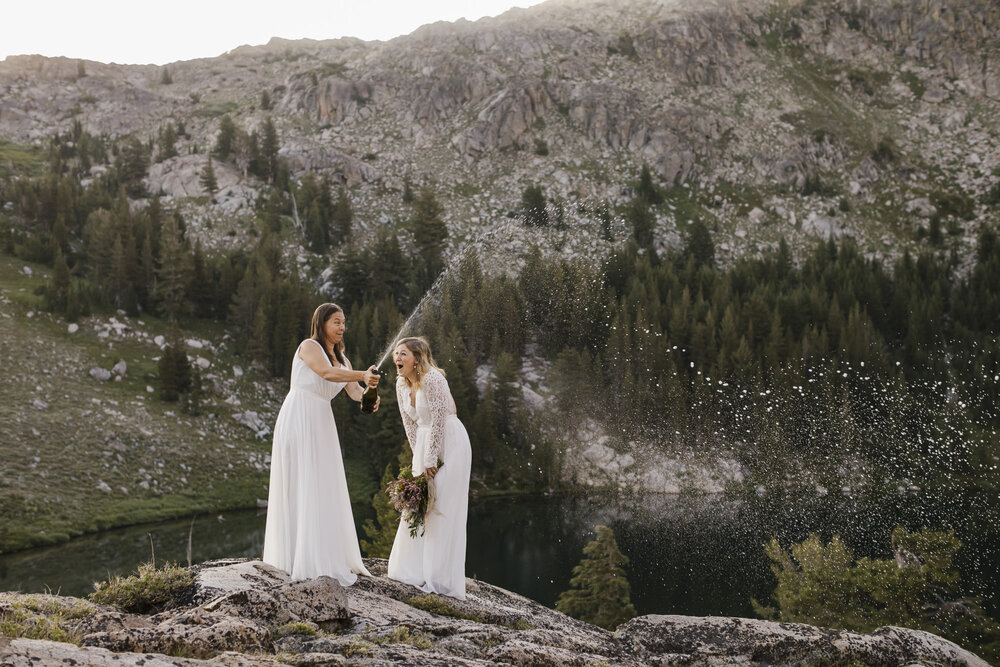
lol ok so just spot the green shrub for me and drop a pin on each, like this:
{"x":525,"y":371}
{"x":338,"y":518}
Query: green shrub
{"x":297,"y":628}
{"x":149,"y":589}
{"x":954,"y":203}
{"x":822,"y":584}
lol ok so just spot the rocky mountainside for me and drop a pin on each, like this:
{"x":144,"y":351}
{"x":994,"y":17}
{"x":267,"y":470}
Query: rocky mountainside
{"x":764,"y":118}
{"x":250,"y":614}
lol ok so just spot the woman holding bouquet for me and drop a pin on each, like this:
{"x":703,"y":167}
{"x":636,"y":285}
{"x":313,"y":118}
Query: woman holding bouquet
{"x":310,"y":527}
{"x":434,"y":561}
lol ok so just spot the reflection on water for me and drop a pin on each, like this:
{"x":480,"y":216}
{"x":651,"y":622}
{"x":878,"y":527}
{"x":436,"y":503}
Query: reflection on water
{"x":699,"y":555}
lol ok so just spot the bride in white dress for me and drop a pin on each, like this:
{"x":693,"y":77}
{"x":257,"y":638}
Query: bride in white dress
{"x":310,"y":527}
{"x":435,"y":560}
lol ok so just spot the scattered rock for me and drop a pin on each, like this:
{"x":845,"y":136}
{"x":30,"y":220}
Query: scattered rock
{"x":101,"y":374}
{"x":119,"y":368}
{"x":73,"y":328}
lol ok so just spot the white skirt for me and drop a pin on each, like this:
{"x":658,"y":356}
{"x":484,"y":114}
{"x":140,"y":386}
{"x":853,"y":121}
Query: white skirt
{"x":310,"y":526}
{"x":435,"y":561}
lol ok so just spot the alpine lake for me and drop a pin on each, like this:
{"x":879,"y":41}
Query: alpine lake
{"x":690,"y":554}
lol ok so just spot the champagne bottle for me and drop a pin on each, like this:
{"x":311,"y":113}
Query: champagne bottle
{"x":369,"y":398}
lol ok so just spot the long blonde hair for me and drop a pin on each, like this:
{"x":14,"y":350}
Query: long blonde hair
{"x":421,"y":351}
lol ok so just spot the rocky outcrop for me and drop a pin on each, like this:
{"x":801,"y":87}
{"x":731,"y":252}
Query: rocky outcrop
{"x":249,"y":613}
{"x":737,"y":96}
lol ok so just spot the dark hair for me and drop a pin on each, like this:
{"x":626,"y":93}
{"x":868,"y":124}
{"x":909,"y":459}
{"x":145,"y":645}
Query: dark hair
{"x":317,"y":330}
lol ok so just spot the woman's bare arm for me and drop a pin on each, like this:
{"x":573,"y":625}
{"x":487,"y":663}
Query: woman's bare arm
{"x":315,"y":359}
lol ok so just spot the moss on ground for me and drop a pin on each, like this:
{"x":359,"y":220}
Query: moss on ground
{"x":42,"y":617}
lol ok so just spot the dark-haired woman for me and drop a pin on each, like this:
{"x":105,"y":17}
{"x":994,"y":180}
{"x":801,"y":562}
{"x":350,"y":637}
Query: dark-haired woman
{"x":310,"y":528}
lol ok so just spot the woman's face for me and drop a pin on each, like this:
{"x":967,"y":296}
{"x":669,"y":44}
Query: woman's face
{"x":406,"y":363}
{"x":335,"y":326}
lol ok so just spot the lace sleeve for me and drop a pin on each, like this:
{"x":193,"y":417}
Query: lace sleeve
{"x":439,"y":401}
{"x":402,"y":400}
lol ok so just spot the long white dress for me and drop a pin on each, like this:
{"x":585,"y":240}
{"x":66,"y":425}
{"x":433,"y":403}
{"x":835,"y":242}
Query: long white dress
{"x":435,"y":561}
{"x":310,"y":527}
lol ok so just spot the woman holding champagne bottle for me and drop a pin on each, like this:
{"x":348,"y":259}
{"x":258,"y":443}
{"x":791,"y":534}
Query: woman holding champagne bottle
{"x":310,"y":528}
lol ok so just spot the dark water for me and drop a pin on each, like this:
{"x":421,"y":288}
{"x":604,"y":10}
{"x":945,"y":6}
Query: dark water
{"x":699,"y":555}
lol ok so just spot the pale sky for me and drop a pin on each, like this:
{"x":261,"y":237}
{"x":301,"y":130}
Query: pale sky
{"x":138,"y":32}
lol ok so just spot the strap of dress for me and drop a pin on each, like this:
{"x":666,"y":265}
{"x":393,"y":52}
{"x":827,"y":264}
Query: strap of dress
{"x":318,"y":345}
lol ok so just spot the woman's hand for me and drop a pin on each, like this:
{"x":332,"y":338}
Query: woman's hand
{"x":371,"y":378}
{"x":430,"y":472}
{"x":377,"y":401}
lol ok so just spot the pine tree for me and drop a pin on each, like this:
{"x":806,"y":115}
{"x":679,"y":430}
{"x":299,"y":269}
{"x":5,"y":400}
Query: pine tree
{"x":430,"y":234}
{"x":173,"y":272}
{"x":131,"y":165}
{"x":342,"y":217}
{"x":174,"y":370}
{"x":407,"y":190}
{"x":698,"y":244}
{"x":207,"y":179}
{"x":269,"y":151}
{"x":643,"y":222}
{"x":167,"y":142}
{"x":59,"y":291}
{"x":242,"y":151}
{"x":599,"y":590}
{"x":534,"y":207}
{"x":382,"y":535}
{"x":646,"y":189}
{"x":224,"y":141}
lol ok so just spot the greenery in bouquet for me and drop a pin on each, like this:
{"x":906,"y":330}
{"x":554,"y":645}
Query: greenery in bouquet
{"x":410,"y":497}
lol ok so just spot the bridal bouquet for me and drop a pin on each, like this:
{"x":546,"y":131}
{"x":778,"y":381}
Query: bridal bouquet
{"x":410,"y":497}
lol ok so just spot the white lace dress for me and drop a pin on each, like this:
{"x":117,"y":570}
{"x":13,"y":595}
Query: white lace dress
{"x":435,"y":561}
{"x":310,"y":527}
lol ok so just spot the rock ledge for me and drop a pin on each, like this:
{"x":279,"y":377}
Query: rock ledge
{"x":247,"y":613}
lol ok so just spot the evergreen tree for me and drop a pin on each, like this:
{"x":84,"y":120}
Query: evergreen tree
{"x":173,"y":272}
{"x":646,"y":189}
{"x":430,"y":234}
{"x":534,"y":207}
{"x":381,"y":536}
{"x":224,"y":141}
{"x":269,"y":151}
{"x":167,"y":142}
{"x":131,"y":165}
{"x":59,"y":289}
{"x":599,"y":590}
{"x":698,"y":244}
{"x":174,"y":370}
{"x":407,"y":190}
{"x":207,"y":179}
{"x":642,"y":221}
{"x":342,"y":217}
{"x":265,"y":101}
{"x":242,"y":151}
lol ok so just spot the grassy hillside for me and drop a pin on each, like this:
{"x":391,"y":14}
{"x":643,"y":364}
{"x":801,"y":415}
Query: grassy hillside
{"x":80,"y":454}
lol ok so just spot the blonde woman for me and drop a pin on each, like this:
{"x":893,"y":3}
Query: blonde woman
{"x":310,"y":527}
{"x":435,"y":560}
